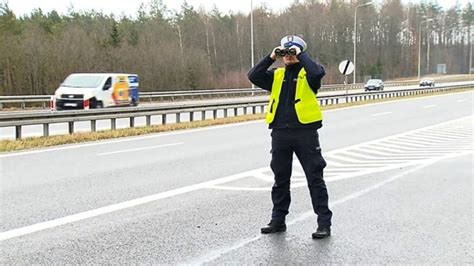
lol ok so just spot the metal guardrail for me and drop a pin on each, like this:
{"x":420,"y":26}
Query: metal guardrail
{"x":70,"y":117}
{"x":195,"y":94}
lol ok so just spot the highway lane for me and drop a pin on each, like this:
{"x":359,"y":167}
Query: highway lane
{"x":62,"y":128}
{"x":200,"y":217}
{"x":180,"y":102}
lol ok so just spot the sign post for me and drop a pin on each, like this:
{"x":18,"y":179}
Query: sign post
{"x":52,"y":103}
{"x":346,"y":67}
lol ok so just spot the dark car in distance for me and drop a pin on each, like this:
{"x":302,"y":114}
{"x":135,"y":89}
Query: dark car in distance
{"x":427,"y":82}
{"x":374,"y":84}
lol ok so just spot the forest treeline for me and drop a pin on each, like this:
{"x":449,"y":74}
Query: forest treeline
{"x":198,"y":49}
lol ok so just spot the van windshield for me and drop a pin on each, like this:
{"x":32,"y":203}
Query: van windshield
{"x":83,"y":81}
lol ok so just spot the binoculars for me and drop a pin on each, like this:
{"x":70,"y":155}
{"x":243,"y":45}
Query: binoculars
{"x":286,"y":51}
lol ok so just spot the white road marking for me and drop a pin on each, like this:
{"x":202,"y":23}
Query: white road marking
{"x":430,"y":106}
{"x":119,"y":206}
{"x":213,"y":255}
{"x":140,"y":149}
{"x":263,"y":177}
{"x":241,"y":188}
{"x":386,"y":113}
{"x":386,"y":154}
{"x":162,"y":195}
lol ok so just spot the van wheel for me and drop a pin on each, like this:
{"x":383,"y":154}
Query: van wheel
{"x":96,"y":104}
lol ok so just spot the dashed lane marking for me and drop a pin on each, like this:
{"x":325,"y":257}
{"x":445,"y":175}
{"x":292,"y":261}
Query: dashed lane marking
{"x":379,"y":114}
{"x":140,"y":149}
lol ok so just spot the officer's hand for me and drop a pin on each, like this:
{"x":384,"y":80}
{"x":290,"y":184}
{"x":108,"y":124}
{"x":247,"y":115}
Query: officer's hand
{"x":274,"y":55}
{"x":297,"y":49}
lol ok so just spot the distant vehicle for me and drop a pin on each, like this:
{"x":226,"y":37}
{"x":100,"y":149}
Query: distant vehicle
{"x":427,"y":82}
{"x":374,"y":84}
{"x":97,"y":90}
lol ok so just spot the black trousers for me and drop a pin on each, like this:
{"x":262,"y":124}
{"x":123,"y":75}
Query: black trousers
{"x":305,"y":144}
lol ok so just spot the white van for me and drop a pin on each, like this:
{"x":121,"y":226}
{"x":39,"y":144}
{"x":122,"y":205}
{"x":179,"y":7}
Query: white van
{"x":97,"y":90}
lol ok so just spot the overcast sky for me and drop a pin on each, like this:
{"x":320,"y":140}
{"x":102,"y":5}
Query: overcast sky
{"x":118,"y":7}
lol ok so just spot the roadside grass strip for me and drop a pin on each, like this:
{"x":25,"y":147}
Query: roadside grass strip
{"x":41,"y":142}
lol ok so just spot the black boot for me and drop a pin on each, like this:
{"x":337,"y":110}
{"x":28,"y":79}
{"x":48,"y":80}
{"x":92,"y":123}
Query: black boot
{"x":322,"y":232}
{"x":273,"y":227}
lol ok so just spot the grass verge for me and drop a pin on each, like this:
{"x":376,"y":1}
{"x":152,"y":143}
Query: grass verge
{"x":40,"y":142}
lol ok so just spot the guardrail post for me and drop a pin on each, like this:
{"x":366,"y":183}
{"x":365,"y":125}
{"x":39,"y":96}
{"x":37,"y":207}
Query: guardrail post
{"x":71,"y":127}
{"x":191,"y":116}
{"x":163,"y":119}
{"x":236,"y":111}
{"x":43,"y":104}
{"x":225,"y":112}
{"x":178,"y":117}
{"x":17,"y":132}
{"x":203,"y":115}
{"x":148,"y":120}
{"x":113,"y":123}
{"x":23,"y":105}
{"x":214,"y":113}
{"x":254,"y":109}
{"x":262,"y":109}
{"x":45,"y":130}
{"x":132,"y":121}
{"x":245,"y":110}
{"x":93,"y":125}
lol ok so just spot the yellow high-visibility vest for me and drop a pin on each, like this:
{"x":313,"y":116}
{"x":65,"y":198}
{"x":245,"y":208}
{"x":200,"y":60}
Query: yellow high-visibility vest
{"x":306,"y":102}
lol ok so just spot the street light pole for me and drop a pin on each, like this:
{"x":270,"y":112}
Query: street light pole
{"x":251,"y":37}
{"x":355,"y":38}
{"x":419,"y":45}
{"x":428,"y":35}
{"x":470,"y":53}
{"x":251,"y":31}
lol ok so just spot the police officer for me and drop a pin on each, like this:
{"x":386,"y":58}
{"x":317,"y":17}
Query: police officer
{"x":294,"y":117}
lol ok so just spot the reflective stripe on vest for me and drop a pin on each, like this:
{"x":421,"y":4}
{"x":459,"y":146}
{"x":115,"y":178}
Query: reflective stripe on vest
{"x":306,"y":102}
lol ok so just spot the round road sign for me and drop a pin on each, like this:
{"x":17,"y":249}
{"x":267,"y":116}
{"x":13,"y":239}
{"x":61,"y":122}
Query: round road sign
{"x":346,"y":67}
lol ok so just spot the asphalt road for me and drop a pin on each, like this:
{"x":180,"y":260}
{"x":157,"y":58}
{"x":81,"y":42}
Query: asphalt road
{"x":399,"y":177}
{"x":62,"y":128}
